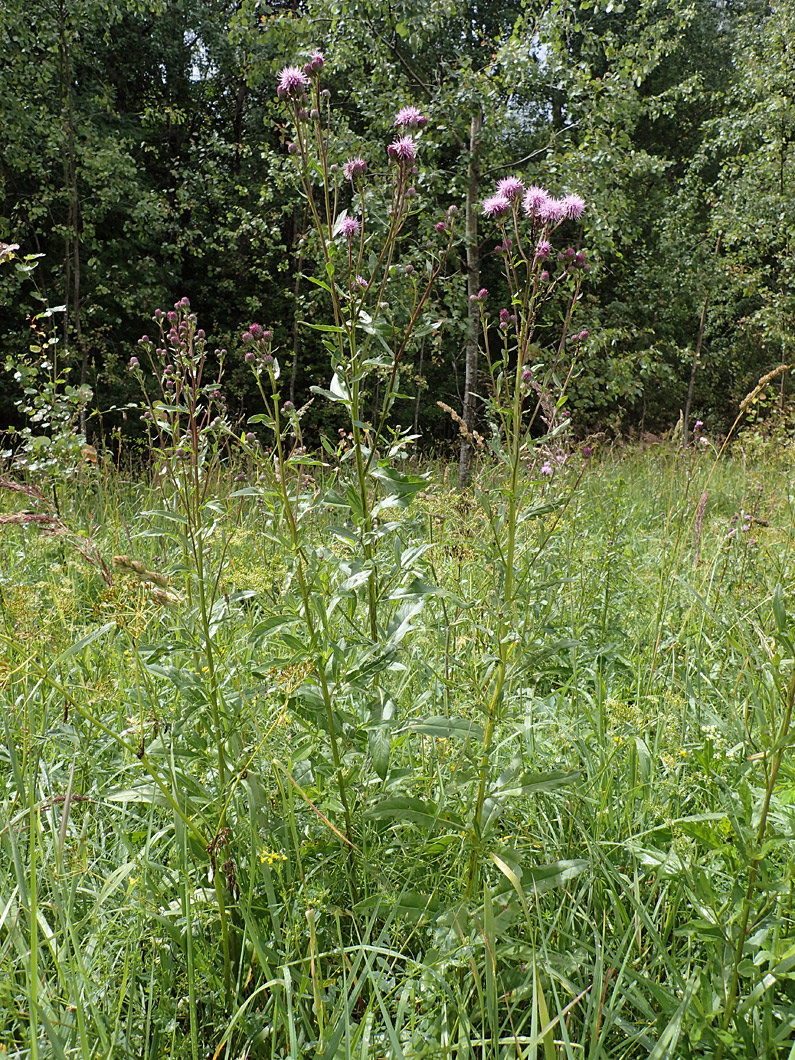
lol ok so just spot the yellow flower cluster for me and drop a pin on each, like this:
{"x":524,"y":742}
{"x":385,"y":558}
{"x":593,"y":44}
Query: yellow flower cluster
{"x":272,"y":857}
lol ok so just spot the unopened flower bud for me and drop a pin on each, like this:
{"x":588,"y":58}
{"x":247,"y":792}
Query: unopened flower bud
{"x":440,"y":226}
{"x":250,"y":356}
{"x":134,"y":363}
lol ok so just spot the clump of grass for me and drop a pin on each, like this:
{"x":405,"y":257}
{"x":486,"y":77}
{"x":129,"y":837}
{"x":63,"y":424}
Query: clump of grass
{"x":645,"y":905}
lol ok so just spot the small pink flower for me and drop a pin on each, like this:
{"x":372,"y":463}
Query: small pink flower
{"x":546,"y":468}
{"x":551,"y":211}
{"x":496,"y":206}
{"x":355,"y":167}
{"x":292,"y":81}
{"x":510,"y":187}
{"x":410,"y":118}
{"x":573,"y":206}
{"x":543,"y":250}
{"x":403,"y":150}
{"x":315,"y":64}
{"x":349,"y":227}
{"x":534,"y":198}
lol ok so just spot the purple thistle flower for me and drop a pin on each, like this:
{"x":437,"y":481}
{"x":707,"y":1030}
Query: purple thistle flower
{"x":292,"y":81}
{"x":543,"y":250}
{"x":496,"y":206}
{"x":349,"y":227}
{"x":551,"y":211}
{"x":403,"y":150}
{"x":573,"y":206}
{"x":546,"y":468}
{"x":440,"y":226}
{"x":354,"y":167}
{"x":134,"y":363}
{"x":410,"y":118}
{"x":510,"y":187}
{"x":527,"y":375}
{"x":534,"y":198}
{"x":315,"y":64}
{"x":362,"y":282}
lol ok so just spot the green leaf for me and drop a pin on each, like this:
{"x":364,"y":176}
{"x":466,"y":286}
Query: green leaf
{"x":447,"y":728}
{"x":779,"y":609}
{"x":401,"y":809}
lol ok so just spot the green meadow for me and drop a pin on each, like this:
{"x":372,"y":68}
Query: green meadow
{"x":556,"y":822}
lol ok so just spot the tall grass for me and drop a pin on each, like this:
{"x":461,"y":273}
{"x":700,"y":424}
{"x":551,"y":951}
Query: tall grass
{"x":176,"y":879}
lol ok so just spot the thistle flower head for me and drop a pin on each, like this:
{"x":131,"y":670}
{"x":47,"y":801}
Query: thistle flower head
{"x":510,"y":187}
{"x":410,"y":117}
{"x":543,"y":250}
{"x":496,"y":206}
{"x":403,"y":150}
{"x":551,"y":211}
{"x":534,"y":199}
{"x":292,"y":81}
{"x":315,"y":64}
{"x":349,"y":227}
{"x":354,"y":167}
{"x":573,"y":206}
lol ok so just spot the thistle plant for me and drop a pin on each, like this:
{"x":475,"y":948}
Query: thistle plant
{"x":188,"y":429}
{"x":378,"y":305}
{"x":528,"y":384}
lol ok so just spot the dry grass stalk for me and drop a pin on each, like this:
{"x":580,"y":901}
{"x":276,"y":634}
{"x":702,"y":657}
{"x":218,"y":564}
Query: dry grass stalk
{"x":463,"y":430}
{"x":760,"y":386}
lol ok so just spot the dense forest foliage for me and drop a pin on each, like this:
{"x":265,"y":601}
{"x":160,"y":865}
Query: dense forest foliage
{"x":145,"y":157}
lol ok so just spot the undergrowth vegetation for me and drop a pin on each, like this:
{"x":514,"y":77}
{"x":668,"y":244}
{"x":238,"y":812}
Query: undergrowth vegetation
{"x":183,"y":876}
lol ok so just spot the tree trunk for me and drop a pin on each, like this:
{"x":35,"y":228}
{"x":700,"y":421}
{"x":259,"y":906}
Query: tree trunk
{"x":473,"y":286}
